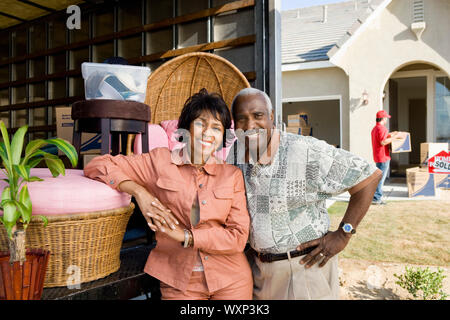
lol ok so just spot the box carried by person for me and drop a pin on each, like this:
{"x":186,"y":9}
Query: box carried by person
{"x":401,"y":142}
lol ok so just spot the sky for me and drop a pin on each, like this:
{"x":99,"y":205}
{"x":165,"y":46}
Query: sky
{"x":294,"y":4}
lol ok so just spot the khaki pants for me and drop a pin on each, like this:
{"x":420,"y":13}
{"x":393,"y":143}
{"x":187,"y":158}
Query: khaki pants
{"x":289,"y":280}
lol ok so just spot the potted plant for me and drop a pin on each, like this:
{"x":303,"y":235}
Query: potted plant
{"x":24,"y":277}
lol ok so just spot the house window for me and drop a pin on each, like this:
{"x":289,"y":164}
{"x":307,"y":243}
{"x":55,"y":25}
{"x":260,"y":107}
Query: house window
{"x":442,"y":100}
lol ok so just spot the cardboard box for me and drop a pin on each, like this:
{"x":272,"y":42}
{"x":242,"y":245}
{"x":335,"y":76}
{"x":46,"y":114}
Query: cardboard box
{"x":304,"y":131}
{"x":402,"y":143}
{"x":430,"y":149}
{"x":442,"y":180}
{"x":298,"y":120}
{"x":420,"y":182}
{"x":90,"y":142}
{"x":444,"y":194}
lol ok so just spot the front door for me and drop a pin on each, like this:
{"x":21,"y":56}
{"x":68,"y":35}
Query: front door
{"x":417,"y":127}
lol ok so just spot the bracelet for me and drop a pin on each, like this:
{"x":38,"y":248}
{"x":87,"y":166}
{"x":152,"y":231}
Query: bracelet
{"x":191,"y":239}
{"x":186,"y":238}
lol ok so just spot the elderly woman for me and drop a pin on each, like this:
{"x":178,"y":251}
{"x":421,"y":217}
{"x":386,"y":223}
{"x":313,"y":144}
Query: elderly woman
{"x":199,"y":251}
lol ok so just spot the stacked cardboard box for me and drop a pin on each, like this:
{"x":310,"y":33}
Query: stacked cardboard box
{"x":442,"y":181}
{"x":430,"y":149}
{"x":420,"y":182}
{"x":298,"y":124}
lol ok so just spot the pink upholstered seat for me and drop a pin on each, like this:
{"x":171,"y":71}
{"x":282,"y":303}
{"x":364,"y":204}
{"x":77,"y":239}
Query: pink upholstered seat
{"x":72,"y":193}
{"x":157,"y":137}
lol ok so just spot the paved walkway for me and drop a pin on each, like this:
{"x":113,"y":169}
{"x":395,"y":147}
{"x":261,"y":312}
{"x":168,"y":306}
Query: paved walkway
{"x":393,"y":190}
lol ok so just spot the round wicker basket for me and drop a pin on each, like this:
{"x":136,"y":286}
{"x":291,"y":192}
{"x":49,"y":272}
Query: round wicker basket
{"x":170,"y":85}
{"x":83,"y":247}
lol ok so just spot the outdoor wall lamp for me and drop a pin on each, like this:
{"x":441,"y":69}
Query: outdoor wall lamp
{"x":365,"y":98}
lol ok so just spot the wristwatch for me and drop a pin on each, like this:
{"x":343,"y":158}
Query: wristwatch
{"x":347,"y":228}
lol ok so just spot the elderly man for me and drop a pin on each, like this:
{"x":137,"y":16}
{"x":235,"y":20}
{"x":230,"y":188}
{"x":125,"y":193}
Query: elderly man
{"x":288,"y":178}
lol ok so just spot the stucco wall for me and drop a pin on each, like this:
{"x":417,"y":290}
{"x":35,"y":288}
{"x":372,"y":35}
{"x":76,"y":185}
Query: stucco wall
{"x":319,"y":82}
{"x":386,"y":45}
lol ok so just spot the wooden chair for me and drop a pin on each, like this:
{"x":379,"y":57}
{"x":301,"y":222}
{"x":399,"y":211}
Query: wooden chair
{"x":111,"y":118}
{"x":170,"y":85}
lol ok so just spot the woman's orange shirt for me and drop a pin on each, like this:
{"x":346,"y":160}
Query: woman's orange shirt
{"x":221,"y":234}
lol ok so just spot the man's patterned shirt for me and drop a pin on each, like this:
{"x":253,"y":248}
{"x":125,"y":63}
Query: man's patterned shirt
{"x":286,"y":198}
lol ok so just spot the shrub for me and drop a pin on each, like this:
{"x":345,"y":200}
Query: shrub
{"x":423,"y":283}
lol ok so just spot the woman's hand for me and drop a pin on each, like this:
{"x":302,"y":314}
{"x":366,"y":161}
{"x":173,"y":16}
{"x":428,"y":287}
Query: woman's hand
{"x":176,"y":233}
{"x":150,"y":206}
{"x":158,"y":217}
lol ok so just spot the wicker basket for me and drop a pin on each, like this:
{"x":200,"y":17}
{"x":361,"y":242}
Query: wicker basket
{"x":175,"y":81}
{"x":88,"y":241}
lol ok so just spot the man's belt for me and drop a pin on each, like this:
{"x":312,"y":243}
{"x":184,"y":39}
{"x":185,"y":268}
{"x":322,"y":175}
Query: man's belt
{"x":270,"y":257}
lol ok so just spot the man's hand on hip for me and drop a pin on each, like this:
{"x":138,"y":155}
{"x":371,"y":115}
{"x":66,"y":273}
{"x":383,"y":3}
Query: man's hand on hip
{"x":334,"y":242}
{"x":328,"y":246}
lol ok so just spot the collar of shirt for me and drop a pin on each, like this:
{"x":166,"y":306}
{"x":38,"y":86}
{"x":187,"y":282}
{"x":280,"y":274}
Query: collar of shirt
{"x":181,"y":157}
{"x":272,"y":148}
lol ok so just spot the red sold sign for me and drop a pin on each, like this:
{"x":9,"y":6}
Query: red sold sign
{"x":440,"y":163}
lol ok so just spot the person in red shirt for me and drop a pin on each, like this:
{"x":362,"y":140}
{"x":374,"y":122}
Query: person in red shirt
{"x":381,"y":139}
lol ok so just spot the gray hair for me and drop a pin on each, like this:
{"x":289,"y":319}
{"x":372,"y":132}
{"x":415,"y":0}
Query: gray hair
{"x":252,"y":92}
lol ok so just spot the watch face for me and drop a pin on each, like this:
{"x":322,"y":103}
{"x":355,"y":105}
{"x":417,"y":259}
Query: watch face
{"x":347,"y":227}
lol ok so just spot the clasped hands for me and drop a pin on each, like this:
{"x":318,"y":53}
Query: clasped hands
{"x":158,"y":217}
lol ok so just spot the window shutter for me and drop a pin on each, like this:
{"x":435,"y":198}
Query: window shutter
{"x":418,"y":11}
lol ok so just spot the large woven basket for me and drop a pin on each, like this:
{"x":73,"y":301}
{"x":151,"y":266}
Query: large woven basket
{"x":83,"y":247}
{"x":175,"y":81}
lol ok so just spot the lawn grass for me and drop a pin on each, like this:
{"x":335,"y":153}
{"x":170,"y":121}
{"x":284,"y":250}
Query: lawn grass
{"x":413,"y":232}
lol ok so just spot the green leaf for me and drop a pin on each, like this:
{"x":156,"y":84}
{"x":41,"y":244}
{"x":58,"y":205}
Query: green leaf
{"x":32,"y":179}
{"x":44,"y":218}
{"x":6,"y":143}
{"x":17,"y":144}
{"x":33,"y":146}
{"x":10,"y":216}
{"x":67,"y":148}
{"x":24,"y":199}
{"x":6,"y":194}
{"x":23,"y":171}
{"x":56,"y":166}
{"x":34,"y":161}
{"x":3,"y":154}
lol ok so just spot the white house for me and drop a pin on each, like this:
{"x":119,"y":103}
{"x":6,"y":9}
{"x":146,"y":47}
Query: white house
{"x":343,"y":62}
